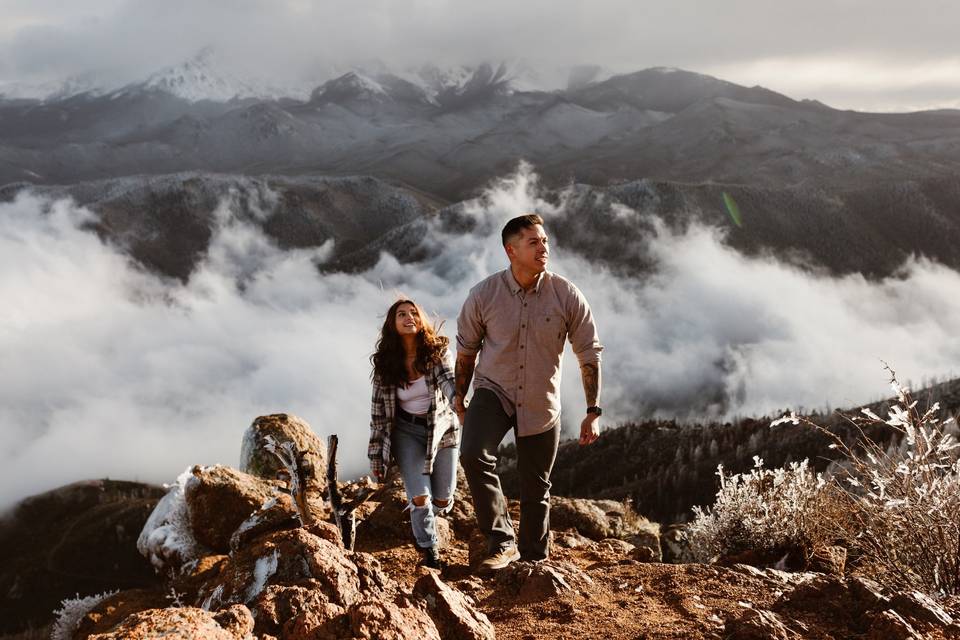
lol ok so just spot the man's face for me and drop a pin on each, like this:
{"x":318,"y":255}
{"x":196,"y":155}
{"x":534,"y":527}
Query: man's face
{"x":528,"y":250}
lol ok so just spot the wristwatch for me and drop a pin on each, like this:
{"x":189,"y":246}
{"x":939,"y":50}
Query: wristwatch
{"x":596,"y":410}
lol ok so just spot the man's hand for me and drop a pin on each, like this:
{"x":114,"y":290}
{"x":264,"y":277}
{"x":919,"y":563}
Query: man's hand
{"x":589,"y":429}
{"x":460,"y":408}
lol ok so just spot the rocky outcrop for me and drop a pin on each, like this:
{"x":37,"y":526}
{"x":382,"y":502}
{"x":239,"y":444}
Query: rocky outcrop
{"x":602,"y":519}
{"x":536,"y":581}
{"x":298,"y":581}
{"x":234,"y":623}
{"x":856,"y":605}
{"x":452,"y":611}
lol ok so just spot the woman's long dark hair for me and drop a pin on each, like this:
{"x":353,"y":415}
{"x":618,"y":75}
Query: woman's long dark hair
{"x":389,"y":357}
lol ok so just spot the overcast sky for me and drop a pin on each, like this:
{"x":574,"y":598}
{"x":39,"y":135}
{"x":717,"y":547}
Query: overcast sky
{"x":860,"y":54}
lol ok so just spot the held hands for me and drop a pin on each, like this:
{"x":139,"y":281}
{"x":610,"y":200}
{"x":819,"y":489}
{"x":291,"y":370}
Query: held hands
{"x":589,"y":429}
{"x":460,"y":409}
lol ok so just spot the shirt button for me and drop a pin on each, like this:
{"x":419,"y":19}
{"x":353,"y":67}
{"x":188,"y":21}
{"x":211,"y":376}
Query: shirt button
{"x":524,"y":304}
{"x":519,"y":404}
{"x":523,"y":326}
{"x":521,"y":366}
{"x":521,"y":346}
{"x":521,"y":386}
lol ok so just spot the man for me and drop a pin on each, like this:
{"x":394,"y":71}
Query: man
{"x":516,"y":320}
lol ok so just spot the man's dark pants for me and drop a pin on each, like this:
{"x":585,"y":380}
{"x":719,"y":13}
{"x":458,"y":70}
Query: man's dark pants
{"x":485,"y":426}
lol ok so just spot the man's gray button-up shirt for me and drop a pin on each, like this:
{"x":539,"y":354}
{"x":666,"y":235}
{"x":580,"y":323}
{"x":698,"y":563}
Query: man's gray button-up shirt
{"x":520,"y":336}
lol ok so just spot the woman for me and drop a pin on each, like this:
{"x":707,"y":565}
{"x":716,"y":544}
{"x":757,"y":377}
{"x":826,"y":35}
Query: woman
{"x":412,"y":420}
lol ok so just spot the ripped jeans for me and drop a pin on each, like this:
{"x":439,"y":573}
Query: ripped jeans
{"x":409,"y":446}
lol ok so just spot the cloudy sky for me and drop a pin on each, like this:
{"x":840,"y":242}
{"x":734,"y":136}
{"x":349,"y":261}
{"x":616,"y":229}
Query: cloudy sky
{"x":859,"y":54}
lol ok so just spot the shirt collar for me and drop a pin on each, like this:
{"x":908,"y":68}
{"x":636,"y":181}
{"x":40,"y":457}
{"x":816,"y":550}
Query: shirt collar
{"x":515,"y":287}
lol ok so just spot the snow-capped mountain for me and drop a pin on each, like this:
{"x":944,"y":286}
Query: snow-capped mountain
{"x":92,"y":83}
{"x":357,"y":89}
{"x":202,"y":78}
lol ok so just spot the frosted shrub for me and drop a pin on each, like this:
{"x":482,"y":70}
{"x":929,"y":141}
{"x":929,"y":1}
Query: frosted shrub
{"x":906,"y":499}
{"x":70,"y":613}
{"x":770,"y":511}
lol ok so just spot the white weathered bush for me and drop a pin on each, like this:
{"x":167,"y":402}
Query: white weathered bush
{"x":70,"y":613}
{"x":769,"y":511}
{"x":906,"y":499}
{"x":894,"y":505}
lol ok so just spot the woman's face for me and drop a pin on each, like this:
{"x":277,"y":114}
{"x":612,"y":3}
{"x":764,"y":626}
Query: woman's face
{"x":407,"y":319}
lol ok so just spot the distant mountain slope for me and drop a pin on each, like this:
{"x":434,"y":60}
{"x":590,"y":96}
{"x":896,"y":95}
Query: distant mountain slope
{"x":80,"y":538}
{"x":165,"y":222}
{"x":449,"y":133}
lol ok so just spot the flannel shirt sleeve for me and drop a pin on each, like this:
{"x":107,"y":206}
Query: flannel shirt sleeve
{"x":379,"y":429}
{"x":446,"y":379}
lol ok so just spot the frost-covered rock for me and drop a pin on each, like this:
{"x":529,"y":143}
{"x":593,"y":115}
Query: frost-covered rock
{"x":257,"y":460}
{"x":167,"y":540}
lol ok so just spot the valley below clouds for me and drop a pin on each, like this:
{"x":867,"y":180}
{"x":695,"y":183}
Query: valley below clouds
{"x":110,"y":369}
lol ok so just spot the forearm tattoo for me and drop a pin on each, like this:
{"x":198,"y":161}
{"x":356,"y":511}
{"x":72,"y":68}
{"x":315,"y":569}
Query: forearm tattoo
{"x":463,"y":372}
{"x":590,"y":373}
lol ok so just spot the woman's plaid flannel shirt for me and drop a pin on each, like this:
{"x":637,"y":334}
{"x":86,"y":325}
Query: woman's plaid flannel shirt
{"x":443,"y":427}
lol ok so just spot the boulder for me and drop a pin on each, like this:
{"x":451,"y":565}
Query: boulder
{"x":917,"y":606}
{"x":757,"y":624}
{"x":234,"y":623}
{"x":890,"y":625}
{"x":294,"y":557}
{"x":536,"y":581}
{"x":219,"y":499}
{"x":275,"y":514}
{"x":114,"y":609}
{"x":599,"y":519}
{"x":675,"y":546}
{"x":382,"y":620}
{"x":282,"y":427}
{"x":453,"y":613}
{"x":572,"y":539}
{"x":293,"y":612}
{"x":828,"y":559}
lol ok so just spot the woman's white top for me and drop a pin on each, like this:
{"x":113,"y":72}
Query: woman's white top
{"x":415,"y":398}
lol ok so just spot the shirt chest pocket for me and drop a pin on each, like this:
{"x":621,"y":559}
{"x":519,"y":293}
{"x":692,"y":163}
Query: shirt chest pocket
{"x":549,"y":329}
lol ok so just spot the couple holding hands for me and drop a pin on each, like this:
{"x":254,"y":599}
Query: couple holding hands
{"x":516,"y":321}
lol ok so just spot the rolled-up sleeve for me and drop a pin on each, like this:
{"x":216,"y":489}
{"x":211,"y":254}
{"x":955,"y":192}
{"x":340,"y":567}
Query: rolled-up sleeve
{"x":581,"y":328}
{"x":469,"y":327}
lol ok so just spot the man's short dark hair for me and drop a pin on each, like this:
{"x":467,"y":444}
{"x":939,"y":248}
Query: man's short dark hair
{"x":513,"y":227}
